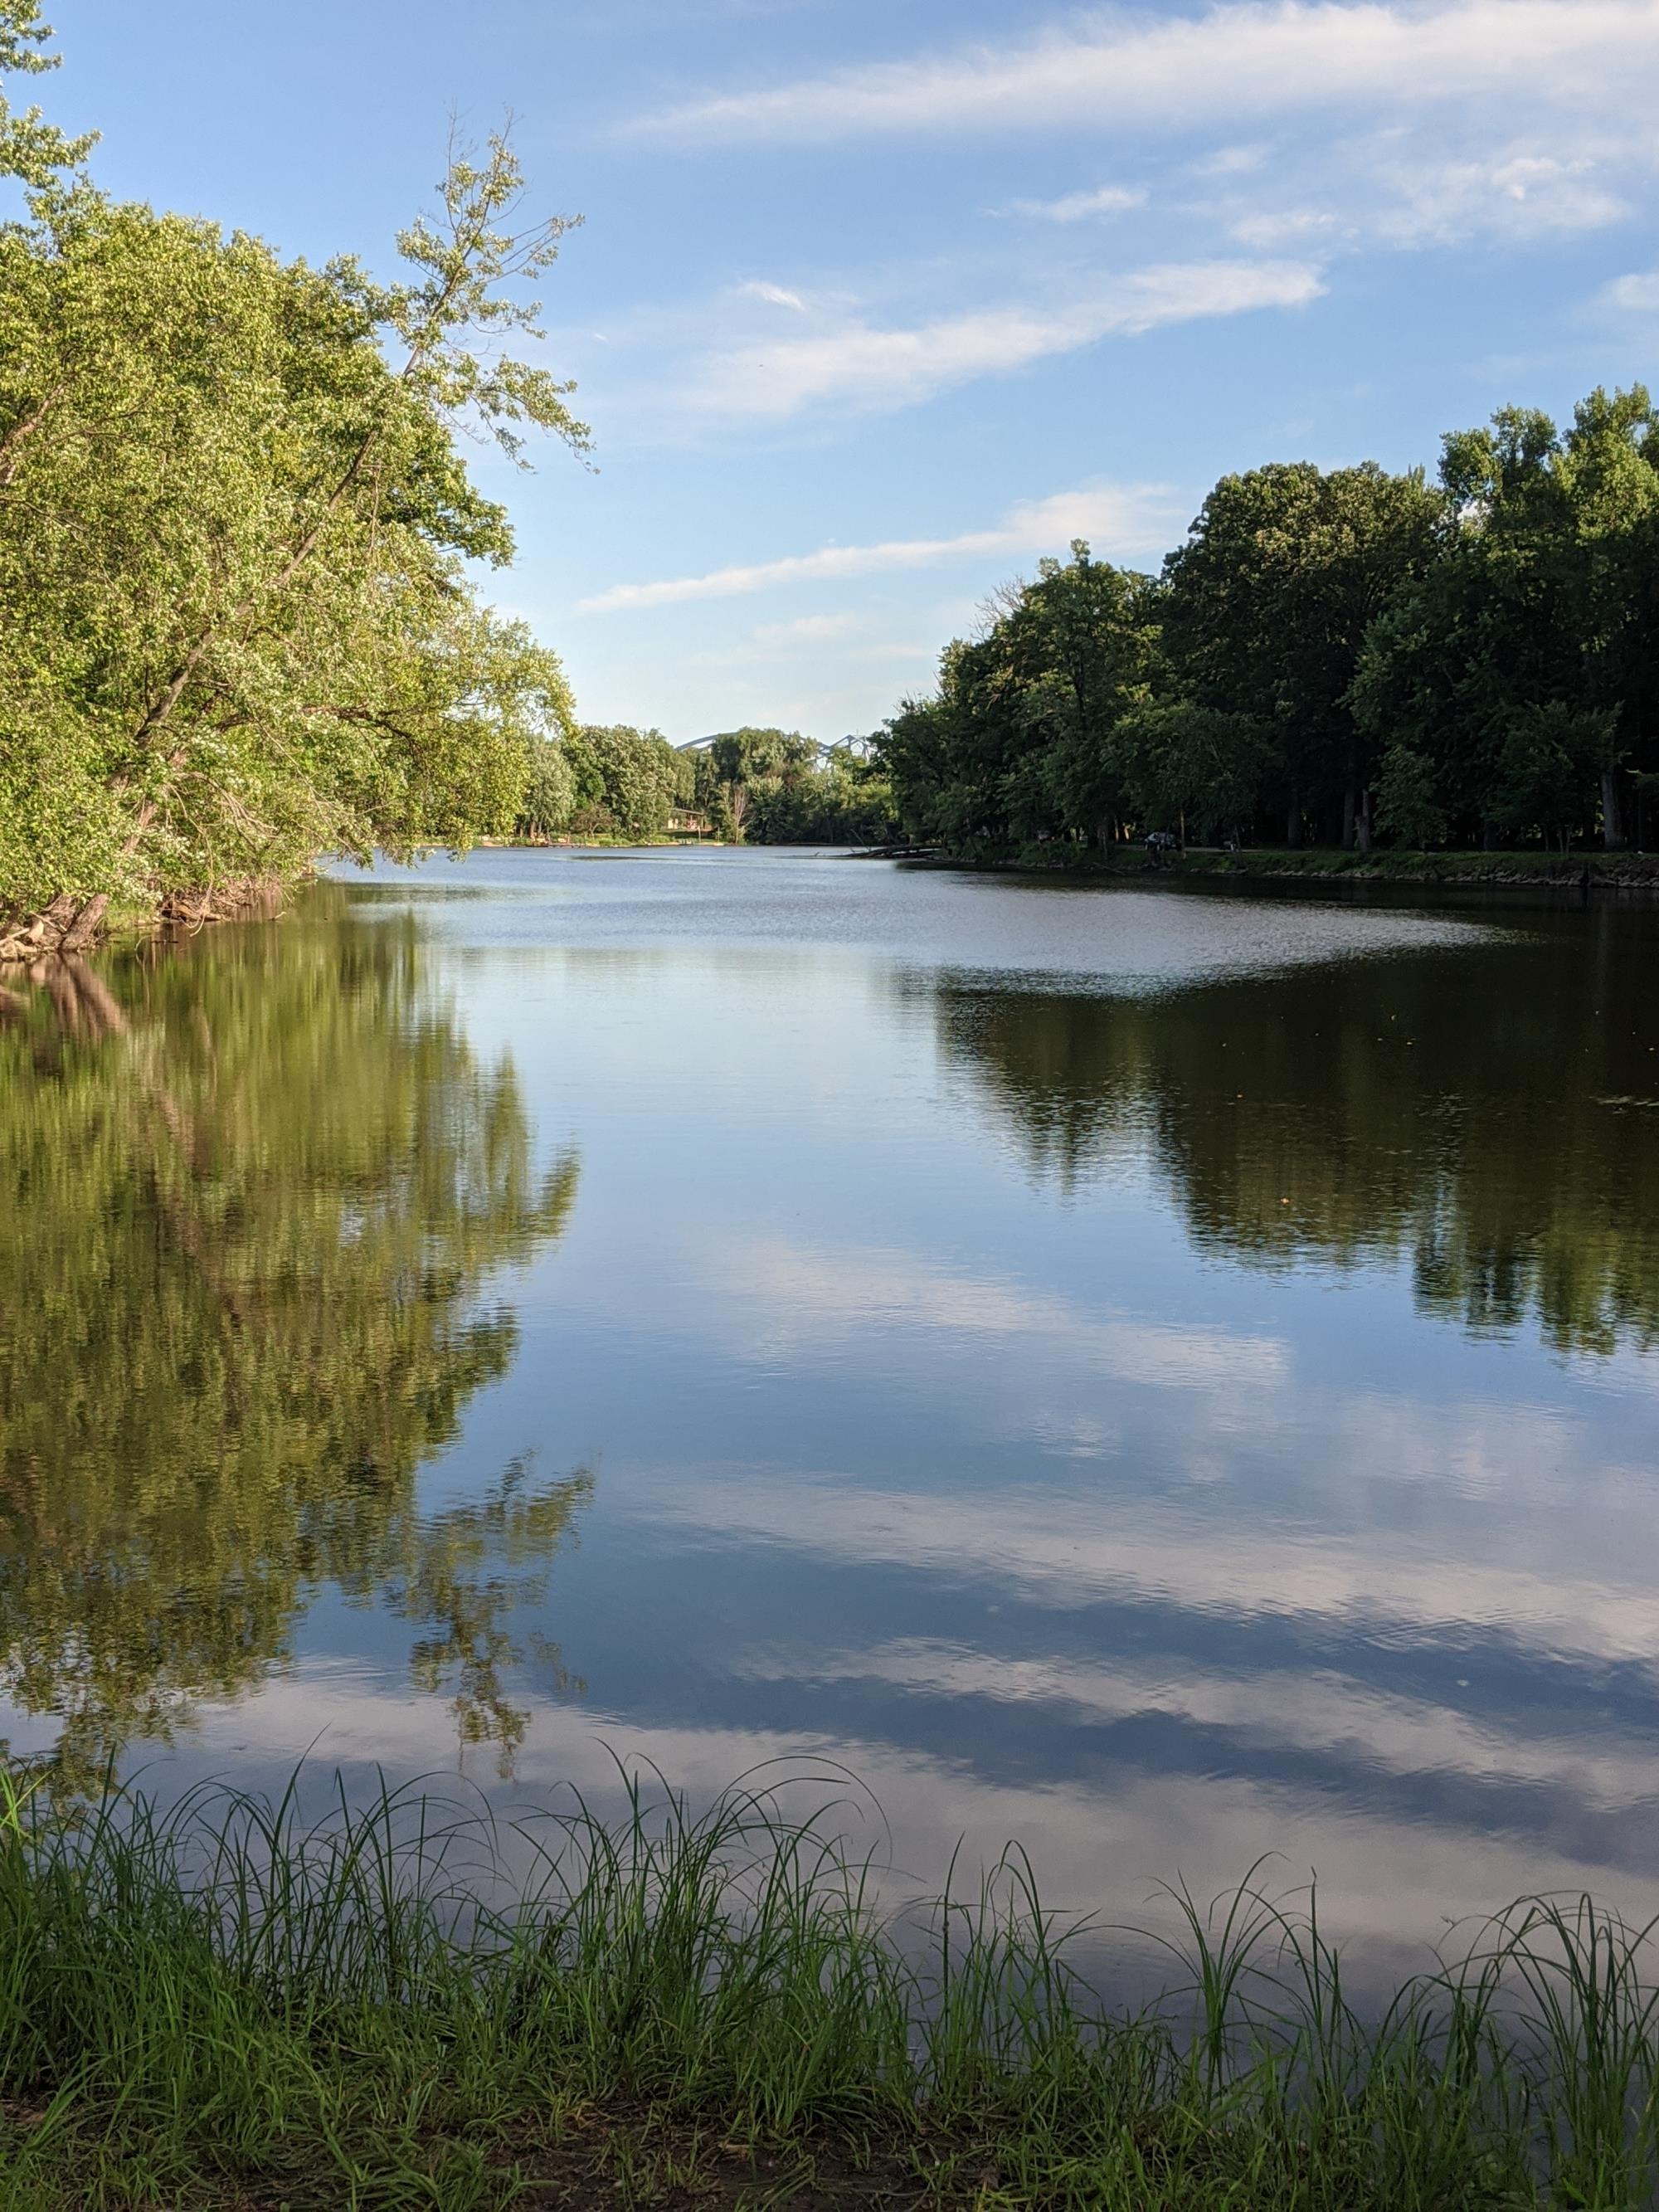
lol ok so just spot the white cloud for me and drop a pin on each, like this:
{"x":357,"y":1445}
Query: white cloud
{"x":1270,"y":57}
{"x":1637,"y":294}
{"x":864,"y":364}
{"x":1231,"y":161}
{"x":776,"y":296}
{"x":1292,"y":226}
{"x":1127,"y":518}
{"x":1077,"y":207}
{"x":1523,"y":194}
{"x":1404,"y":186}
{"x":808,"y":629}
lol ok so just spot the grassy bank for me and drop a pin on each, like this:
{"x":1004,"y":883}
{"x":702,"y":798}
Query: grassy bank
{"x":1531,"y":870}
{"x":223,"y":2006}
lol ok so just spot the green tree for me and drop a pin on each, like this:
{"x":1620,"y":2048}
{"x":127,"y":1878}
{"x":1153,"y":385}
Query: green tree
{"x":549,"y":795}
{"x":1178,"y":763}
{"x":1408,"y":807}
{"x":236,"y":627}
{"x":1018,"y":745}
{"x":31,"y":149}
{"x":1522,"y":666}
{"x":748,"y":764}
{"x":625,"y":780}
{"x":1267,"y":606}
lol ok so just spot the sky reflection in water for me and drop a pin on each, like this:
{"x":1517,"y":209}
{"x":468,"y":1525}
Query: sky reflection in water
{"x":1169,"y":1378}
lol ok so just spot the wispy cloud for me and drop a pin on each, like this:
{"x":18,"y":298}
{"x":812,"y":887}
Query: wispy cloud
{"x":1406,"y":186}
{"x":1264,"y":58}
{"x":1080,"y":207}
{"x":809,"y":630}
{"x":1523,"y":192}
{"x":1126,"y":518}
{"x":862,"y":363}
{"x":776,"y":296}
{"x":1637,"y":294}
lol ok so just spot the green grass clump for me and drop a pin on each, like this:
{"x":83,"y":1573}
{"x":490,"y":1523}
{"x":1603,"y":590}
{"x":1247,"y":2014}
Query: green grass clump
{"x":224,"y":2004}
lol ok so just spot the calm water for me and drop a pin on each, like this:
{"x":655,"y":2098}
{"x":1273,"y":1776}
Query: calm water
{"x":1165,"y":1377}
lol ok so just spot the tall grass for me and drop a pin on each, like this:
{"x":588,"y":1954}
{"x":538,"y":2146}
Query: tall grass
{"x":228,"y":2002}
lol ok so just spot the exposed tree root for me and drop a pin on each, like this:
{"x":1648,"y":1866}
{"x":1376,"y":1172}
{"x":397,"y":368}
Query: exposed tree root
{"x":73,"y":925}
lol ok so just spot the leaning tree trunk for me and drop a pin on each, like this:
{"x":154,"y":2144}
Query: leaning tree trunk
{"x":69,"y":924}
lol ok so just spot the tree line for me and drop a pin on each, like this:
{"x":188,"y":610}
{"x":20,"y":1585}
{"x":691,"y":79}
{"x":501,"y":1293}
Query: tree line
{"x":763,"y":786}
{"x":1332,"y":656}
{"x":238,"y":623}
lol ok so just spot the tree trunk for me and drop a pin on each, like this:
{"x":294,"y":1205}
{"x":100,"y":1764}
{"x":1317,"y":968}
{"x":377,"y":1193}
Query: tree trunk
{"x":1612,"y":829}
{"x":1293,"y":822}
{"x":82,"y":932}
{"x":1350,"y":818}
{"x":1363,"y":825}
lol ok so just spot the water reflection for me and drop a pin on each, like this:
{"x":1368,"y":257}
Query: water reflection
{"x":250,"y":1191}
{"x":1183,"y":1392}
{"x":1493,"y":1112}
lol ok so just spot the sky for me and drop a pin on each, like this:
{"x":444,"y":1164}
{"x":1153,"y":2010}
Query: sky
{"x":876,"y":302}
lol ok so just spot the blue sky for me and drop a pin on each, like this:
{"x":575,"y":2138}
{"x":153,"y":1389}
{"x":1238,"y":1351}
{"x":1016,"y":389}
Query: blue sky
{"x":873,"y":305}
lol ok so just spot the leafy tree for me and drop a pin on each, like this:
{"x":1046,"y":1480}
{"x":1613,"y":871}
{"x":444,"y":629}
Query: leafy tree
{"x":237,"y":624}
{"x":1192,"y":765}
{"x":1522,"y":666}
{"x":625,"y":780}
{"x":745,"y":763}
{"x":1468,"y":662}
{"x":1409,"y":806}
{"x":1017,"y":747}
{"x":1267,"y":607}
{"x":1550,"y":756}
{"x":31,"y":149}
{"x":549,"y":796}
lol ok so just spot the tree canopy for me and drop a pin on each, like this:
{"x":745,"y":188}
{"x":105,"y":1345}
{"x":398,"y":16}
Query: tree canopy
{"x":237,"y":534}
{"x":1330,"y":654}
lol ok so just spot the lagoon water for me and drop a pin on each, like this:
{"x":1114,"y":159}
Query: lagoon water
{"x":1167,"y":1378}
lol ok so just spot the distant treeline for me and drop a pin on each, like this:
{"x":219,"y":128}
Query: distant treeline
{"x":760,"y":786}
{"x":1332,"y":656}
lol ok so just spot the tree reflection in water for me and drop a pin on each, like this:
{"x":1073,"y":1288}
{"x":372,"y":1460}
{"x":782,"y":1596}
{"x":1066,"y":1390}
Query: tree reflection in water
{"x":1478,"y":1111}
{"x":253,"y":1192}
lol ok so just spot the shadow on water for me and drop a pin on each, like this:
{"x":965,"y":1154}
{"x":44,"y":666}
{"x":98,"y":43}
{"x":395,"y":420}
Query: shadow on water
{"x":253,"y":1192}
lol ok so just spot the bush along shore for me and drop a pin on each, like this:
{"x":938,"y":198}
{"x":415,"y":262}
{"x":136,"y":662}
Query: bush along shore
{"x":221,"y":2004}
